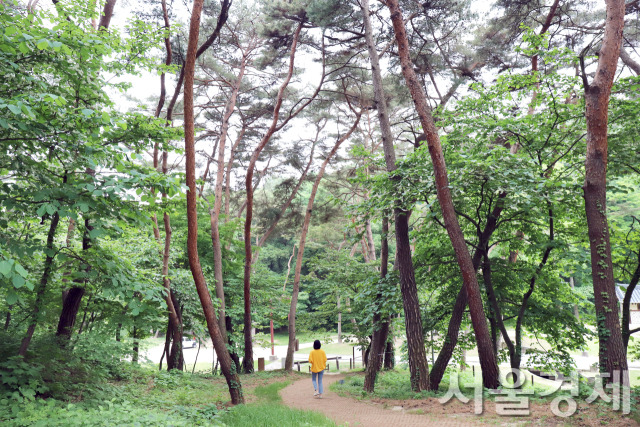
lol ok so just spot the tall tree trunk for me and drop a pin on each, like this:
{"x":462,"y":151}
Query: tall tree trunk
{"x":288,"y":364}
{"x":72,"y":300}
{"x":222,"y":19}
{"x":495,"y":307}
{"x":389,"y":351}
{"x":249,"y":189}
{"x":136,"y":345}
{"x":42,"y":286}
{"x":107,"y":13}
{"x":73,"y":297}
{"x":488,"y":361}
{"x":175,"y":356}
{"x":7,"y":320}
{"x":612,"y":353}
{"x":380,"y":326}
{"x":461,"y":301}
{"x":70,"y":307}
{"x":418,"y":365}
{"x":215,"y":212}
{"x":229,"y":371}
{"x":460,"y":304}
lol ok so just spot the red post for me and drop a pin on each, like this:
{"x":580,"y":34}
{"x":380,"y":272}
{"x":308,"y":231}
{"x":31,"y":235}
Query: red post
{"x":271,"y":326}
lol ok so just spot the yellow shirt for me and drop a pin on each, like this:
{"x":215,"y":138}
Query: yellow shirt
{"x":318,"y":360}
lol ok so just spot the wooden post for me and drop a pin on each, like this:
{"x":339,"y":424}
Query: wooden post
{"x":260,"y":364}
{"x":297,"y":344}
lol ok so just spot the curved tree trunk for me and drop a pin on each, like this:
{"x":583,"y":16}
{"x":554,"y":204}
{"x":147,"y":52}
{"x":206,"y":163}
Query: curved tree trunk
{"x":217,"y":207}
{"x":288,"y":365}
{"x":248,"y":356}
{"x":418,"y":365}
{"x":483,"y":339}
{"x":229,"y":371}
{"x":42,"y":286}
{"x":175,"y":358}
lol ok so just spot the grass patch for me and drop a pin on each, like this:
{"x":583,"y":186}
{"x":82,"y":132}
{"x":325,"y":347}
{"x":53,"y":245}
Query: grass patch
{"x":276,"y":415}
{"x":269,"y":411}
{"x":395,"y":385}
{"x":270,"y":393}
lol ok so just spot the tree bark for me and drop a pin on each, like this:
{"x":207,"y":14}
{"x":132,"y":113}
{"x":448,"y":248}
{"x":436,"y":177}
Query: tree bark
{"x":380,"y":326}
{"x":288,"y":365}
{"x":460,"y":304}
{"x":107,"y":13}
{"x":488,"y":361}
{"x":249,"y":189}
{"x":222,"y":18}
{"x":612,"y":353}
{"x":228,"y":370}
{"x":215,"y":212}
{"x":73,"y":298}
{"x":175,"y":356}
{"x":227,"y":187}
{"x":418,"y":365}
{"x":44,"y":280}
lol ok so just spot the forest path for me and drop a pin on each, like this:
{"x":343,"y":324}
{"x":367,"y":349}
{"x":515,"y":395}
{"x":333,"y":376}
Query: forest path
{"x":351,"y":412}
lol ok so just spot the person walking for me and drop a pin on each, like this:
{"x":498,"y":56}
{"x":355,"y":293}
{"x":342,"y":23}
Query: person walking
{"x":318,"y":360}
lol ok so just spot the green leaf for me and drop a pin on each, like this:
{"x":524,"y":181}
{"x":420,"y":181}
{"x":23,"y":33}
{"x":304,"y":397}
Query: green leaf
{"x":96,"y":232}
{"x":12,"y":297}
{"x":87,"y":111}
{"x":105,"y":117}
{"x":18,"y":281}
{"x":14,"y":108}
{"x":21,"y":271}
{"x":5,"y":268}
{"x":42,"y":44}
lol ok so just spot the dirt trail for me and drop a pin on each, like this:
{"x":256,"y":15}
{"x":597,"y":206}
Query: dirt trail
{"x":344,"y":410}
{"x":430,"y":412}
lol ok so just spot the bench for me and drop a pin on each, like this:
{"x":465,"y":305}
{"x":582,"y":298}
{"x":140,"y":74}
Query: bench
{"x":337,"y":359}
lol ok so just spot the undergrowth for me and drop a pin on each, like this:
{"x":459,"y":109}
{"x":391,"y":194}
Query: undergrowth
{"x":269,"y":411}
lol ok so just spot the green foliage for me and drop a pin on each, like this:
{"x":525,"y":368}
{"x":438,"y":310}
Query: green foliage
{"x":273,"y":416}
{"x":82,"y":369}
{"x":270,"y":412}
